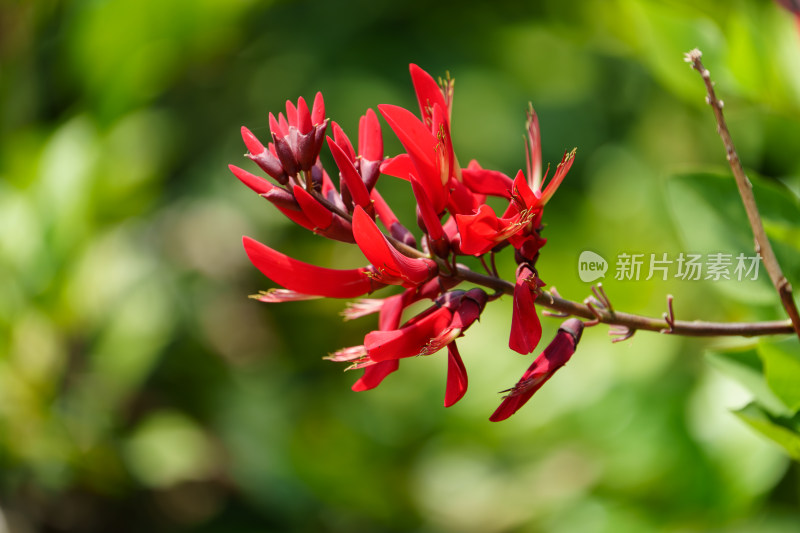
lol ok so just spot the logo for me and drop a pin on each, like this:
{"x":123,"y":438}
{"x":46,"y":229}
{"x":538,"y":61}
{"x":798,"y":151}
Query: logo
{"x":591,"y":266}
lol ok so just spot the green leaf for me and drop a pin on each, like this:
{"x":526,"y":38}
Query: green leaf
{"x":744,"y":365}
{"x":708,"y":213}
{"x":782,"y":369}
{"x":784,"y":431}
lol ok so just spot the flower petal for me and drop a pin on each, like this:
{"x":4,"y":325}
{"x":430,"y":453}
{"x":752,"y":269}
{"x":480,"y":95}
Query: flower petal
{"x":408,"y":341}
{"x":526,"y":330}
{"x":385,"y":257}
{"x":556,"y":355}
{"x":308,"y":279}
{"x":257,"y":184}
{"x":456,"y":376}
{"x":318,"y":214}
{"x":421,"y":146}
{"x":370,"y":139}
{"x":399,"y":166}
{"x":375,"y":374}
{"x":350,"y":175}
{"x":428,"y":92}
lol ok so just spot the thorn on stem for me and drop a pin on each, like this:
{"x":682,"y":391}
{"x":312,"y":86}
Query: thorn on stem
{"x":669,"y":316}
{"x":621,"y":333}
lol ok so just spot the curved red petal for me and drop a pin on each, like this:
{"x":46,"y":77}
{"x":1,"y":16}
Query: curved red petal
{"x":253,"y":145}
{"x":408,"y":341}
{"x":558,"y":177}
{"x":428,"y":91}
{"x":526,"y":330}
{"x":304,"y":124}
{"x":318,"y":214}
{"x":259,"y":185}
{"x":489,"y":182}
{"x":318,"y":110}
{"x":479,"y":231}
{"x":522,"y":190}
{"x":370,"y":139}
{"x":291,"y":114}
{"x":421,"y":146}
{"x":350,"y":175}
{"x":343,"y":141}
{"x":305,"y":278}
{"x":431,"y":220}
{"x":375,"y":374}
{"x":384,"y":256}
{"x":456,"y":376}
{"x":399,"y":166}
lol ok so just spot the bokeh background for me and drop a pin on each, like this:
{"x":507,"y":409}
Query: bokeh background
{"x":141,"y":390}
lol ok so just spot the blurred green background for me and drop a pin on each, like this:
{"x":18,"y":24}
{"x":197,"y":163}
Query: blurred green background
{"x":141,"y":390}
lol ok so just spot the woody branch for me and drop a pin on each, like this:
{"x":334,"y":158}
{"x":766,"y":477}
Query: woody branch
{"x":762,"y":245}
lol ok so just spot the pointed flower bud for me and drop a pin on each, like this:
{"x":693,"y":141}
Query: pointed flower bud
{"x":556,"y":355}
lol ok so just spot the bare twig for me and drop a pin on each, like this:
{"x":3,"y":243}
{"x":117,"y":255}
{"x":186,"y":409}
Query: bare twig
{"x":762,"y":244}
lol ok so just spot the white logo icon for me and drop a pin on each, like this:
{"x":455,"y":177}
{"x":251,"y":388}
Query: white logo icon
{"x":591,"y":266}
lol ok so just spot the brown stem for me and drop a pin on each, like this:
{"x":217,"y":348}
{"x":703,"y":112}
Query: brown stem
{"x":762,"y":244}
{"x":634,"y":322}
{"x":604,"y":315}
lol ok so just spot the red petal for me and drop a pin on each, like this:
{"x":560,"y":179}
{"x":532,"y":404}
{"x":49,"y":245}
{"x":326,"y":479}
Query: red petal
{"x":350,"y":175}
{"x":318,"y":110}
{"x":558,"y":177}
{"x":479,"y":232}
{"x":523,"y":191}
{"x":259,"y":185}
{"x":526,"y":330}
{"x":375,"y":374}
{"x":509,"y":406}
{"x":456,"y":376}
{"x":305,"y":278}
{"x":392,"y":311}
{"x":277,"y":127}
{"x":556,"y":355}
{"x":408,"y":341}
{"x":399,"y":166}
{"x":370,"y":139}
{"x":431,"y":220}
{"x":533,"y":151}
{"x":490,"y":182}
{"x":304,"y":124}
{"x":318,"y":214}
{"x":384,"y":256}
{"x":343,"y":141}
{"x":428,"y":92}
{"x":421,"y":146}
{"x":382,"y":209}
{"x":291,"y":113}
{"x":253,"y":145}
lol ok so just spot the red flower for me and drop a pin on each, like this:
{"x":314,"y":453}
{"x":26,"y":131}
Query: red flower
{"x":451,"y":210}
{"x":526,"y":330}
{"x":557,"y":353}
{"x":391,"y":266}
{"x":427,"y":333}
{"x":308,"y":279}
{"x":430,"y":331}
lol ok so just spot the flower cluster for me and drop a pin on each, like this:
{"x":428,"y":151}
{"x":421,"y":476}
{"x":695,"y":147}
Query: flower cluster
{"x":454,"y":219}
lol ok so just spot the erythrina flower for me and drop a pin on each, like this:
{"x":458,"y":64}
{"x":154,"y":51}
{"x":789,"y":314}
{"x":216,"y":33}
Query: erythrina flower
{"x":308,"y":279}
{"x":391,"y":266}
{"x":556,"y":355}
{"x":526,"y":331}
{"x":451,"y":211}
{"x":429,"y":332}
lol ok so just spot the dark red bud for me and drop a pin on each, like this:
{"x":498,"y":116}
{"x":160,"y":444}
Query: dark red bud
{"x":285,"y":155}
